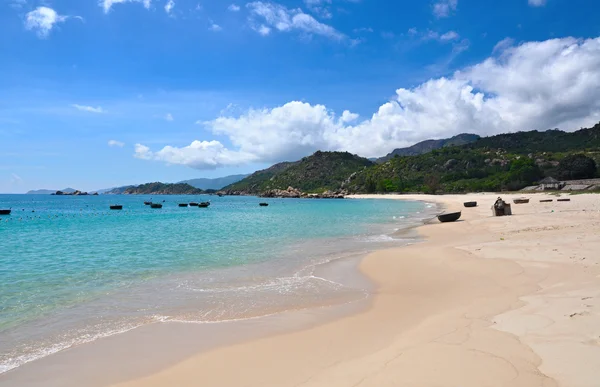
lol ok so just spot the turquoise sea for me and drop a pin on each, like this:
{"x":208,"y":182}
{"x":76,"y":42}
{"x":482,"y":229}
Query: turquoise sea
{"x":72,"y":271}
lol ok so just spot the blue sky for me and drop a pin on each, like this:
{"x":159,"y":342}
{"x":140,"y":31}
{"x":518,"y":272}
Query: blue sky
{"x":95,"y":94}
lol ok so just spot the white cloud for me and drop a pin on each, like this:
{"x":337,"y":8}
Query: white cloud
{"x":535,"y":85}
{"x":319,"y":8}
{"x":90,"y":109}
{"x":215,"y":27}
{"x":503,"y":45}
{"x":450,"y":35}
{"x":107,"y":4}
{"x":444,"y":8}
{"x":42,"y":20}
{"x":169,"y":117}
{"x":234,"y":8}
{"x":169,"y":6}
{"x":263,"y":30}
{"x":363,"y":29}
{"x":115,"y":143}
{"x":537,"y":3}
{"x":280,"y":18}
{"x":199,"y":155}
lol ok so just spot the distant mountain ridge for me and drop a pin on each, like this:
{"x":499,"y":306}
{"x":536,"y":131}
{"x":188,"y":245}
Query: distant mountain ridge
{"x":215,"y":183}
{"x":429,"y":145}
{"x":49,"y":191}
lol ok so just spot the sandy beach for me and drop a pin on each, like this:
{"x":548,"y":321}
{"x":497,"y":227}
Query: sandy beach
{"x":486,"y":301}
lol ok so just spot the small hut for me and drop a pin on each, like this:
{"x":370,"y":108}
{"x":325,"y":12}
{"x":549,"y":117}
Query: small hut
{"x":549,"y":183}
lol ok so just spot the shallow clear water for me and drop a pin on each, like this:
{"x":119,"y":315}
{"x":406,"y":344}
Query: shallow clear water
{"x":71,"y":270}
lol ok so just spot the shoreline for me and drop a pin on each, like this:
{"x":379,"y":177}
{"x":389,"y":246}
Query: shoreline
{"x":477,"y":303}
{"x":340,"y":269}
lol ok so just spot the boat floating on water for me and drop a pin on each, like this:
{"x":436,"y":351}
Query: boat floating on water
{"x":183,"y":204}
{"x":5,"y":212}
{"x":470,"y":204}
{"x":193,"y":204}
{"x":203,"y":204}
{"x":116,"y":207}
{"x":155,"y":205}
{"x":147,"y":203}
{"x":450,"y":217}
{"x":263,"y":204}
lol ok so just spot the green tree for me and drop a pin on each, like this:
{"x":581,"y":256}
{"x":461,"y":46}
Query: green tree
{"x":577,"y":166}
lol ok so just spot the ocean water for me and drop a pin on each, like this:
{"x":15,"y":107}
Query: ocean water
{"x":72,"y":271}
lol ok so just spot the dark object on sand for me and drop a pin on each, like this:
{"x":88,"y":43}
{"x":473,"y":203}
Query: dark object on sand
{"x":521,"y":201}
{"x":470,"y":204}
{"x":116,"y":207}
{"x":263,"y":204}
{"x":546,"y":200}
{"x":563,"y":200}
{"x":193,"y":204}
{"x":183,"y":204}
{"x":501,"y":208}
{"x":147,"y":203}
{"x":5,"y":212}
{"x":451,"y":217}
{"x":203,"y":204}
{"x":155,"y":205}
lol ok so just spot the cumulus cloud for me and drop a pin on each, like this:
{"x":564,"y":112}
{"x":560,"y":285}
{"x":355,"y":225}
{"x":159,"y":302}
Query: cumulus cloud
{"x":215,"y":27}
{"x":444,"y":8}
{"x":265,"y":16}
{"x":535,"y":85}
{"x":199,"y":155}
{"x":169,"y":6}
{"x":537,"y":3}
{"x":107,"y":4}
{"x":115,"y":143}
{"x":42,"y":20}
{"x":89,"y":109}
{"x":234,"y":8}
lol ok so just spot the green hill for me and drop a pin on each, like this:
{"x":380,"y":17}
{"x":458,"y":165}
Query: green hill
{"x":162,"y":189}
{"x":319,"y":172}
{"x":503,"y":162}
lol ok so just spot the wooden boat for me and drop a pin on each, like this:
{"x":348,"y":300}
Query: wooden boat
{"x":546,"y":200}
{"x":193,"y":204}
{"x":155,"y":205}
{"x":563,"y":200}
{"x":116,"y":207}
{"x":470,"y":204}
{"x":263,"y":204}
{"x":147,"y":203}
{"x":521,"y":201}
{"x":5,"y":212}
{"x":183,"y":204}
{"x":450,"y":217}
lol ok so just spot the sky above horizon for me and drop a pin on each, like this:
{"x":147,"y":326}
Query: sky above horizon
{"x":96,"y":94}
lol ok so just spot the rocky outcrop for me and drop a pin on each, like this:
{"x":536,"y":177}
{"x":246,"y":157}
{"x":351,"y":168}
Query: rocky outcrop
{"x":292,"y":192}
{"x":280,"y":193}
